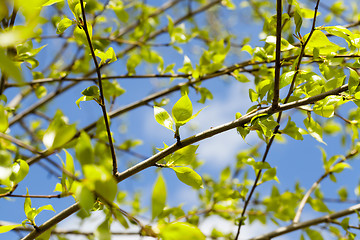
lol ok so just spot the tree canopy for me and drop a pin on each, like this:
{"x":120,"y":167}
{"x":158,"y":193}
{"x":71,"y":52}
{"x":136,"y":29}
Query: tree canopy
{"x":108,"y":109}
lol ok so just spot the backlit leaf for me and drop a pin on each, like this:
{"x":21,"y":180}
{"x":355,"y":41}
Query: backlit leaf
{"x":163,"y":118}
{"x":188,"y":176}
{"x":63,"y":25}
{"x":181,"y":230}
{"x":158,"y":198}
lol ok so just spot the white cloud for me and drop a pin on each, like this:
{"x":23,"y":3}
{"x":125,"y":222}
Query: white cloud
{"x":222,"y":148}
{"x":225,"y":226}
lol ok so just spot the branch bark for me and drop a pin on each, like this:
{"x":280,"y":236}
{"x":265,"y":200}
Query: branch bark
{"x":296,"y":226}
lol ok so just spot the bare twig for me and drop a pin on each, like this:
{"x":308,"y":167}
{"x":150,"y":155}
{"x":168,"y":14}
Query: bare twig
{"x":316,"y":184}
{"x":277,"y":53}
{"x":102,"y":99}
{"x":296,"y":226}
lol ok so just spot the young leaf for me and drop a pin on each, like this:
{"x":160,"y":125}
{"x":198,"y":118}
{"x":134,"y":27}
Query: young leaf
{"x":4,"y":123}
{"x":80,"y":36}
{"x":183,"y":156}
{"x":292,"y":130}
{"x":181,"y":230}
{"x":314,"y":129}
{"x":269,"y":174}
{"x":63,"y":25}
{"x":19,"y":171}
{"x":7,"y":228}
{"x":158,"y":198}
{"x":182,"y":110}
{"x":85,"y":197}
{"x":163,"y":118}
{"x":108,"y":57}
{"x":9,"y":68}
{"x":188,"y":176}
{"x":84,"y":150}
{"x":353,"y":81}
{"x":58,"y":132}
{"x":90,"y":93}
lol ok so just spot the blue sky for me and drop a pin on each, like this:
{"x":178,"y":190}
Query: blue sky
{"x":296,"y":160}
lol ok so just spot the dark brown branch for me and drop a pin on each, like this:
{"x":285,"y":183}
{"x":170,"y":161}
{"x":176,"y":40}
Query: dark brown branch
{"x":102,"y":99}
{"x":275,"y":102}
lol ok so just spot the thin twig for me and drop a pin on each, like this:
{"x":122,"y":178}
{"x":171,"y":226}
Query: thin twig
{"x":316,"y":184}
{"x":102,"y":99}
{"x":196,"y":138}
{"x":277,"y":53}
{"x":296,"y":226}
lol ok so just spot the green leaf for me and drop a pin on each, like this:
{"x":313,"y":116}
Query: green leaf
{"x":40,"y":91}
{"x":8,"y":228}
{"x":319,"y":40}
{"x":181,"y":230}
{"x":313,"y":234}
{"x":46,"y":207}
{"x":100,"y":180}
{"x":158,"y":198}
{"x":90,"y":93}
{"x":84,"y":150}
{"x":183,"y":156}
{"x":85,"y":198}
{"x":286,"y":78}
{"x":59,"y":132}
{"x":51,"y":2}
{"x":339,"y":167}
{"x":353,"y":81}
{"x":269,"y":174}
{"x":4,"y":123}
{"x":343,"y":194}
{"x":19,"y":171}
{"x":63,"y":25}
{"x":106,"y":188}
{"x":108,"y":57}
{"x":326,"y":107}
{"x":285,"y":45}
{"x":318,"y":205}
{"x":292,"y":130}
{"x":188,"y":176}
{"x":9,"y":68}
{"x":298,"y":19}
{"x":102,"y":232}
{"x":345,"y":223}
{"x":84,"y":99}
{"x":314,"y":129}
{"x":27,"y":204}
{"x":163,"y":118}
{"x":253,"y":95}
{"x":133,"y":61}
{"x":205,"y":95}
{"x":80,"y":36}
{"x":182,"y":110}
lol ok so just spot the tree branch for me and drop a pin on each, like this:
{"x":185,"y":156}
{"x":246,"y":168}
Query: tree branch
{"x":102,"y":99}
{"x":296,"y":226}
{"x":275,"y":102}
{"x":316,"y":184}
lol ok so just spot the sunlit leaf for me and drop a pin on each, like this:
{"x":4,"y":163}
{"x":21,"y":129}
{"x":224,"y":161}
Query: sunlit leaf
{"x":181,"y":230}
{"x":63,"y":25}
{"x":188,"y":176}
{"x":158,"y":198}
{"x":163,"y":118}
